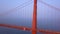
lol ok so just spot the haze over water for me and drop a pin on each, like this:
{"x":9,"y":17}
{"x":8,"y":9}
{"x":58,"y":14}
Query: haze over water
{"x":47,"y":16}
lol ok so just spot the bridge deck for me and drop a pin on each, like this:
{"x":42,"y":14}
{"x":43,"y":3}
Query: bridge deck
{"x":29,"y":29}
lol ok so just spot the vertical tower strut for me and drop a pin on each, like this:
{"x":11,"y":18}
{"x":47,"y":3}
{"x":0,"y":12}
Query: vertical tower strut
{"x":34,"y":22}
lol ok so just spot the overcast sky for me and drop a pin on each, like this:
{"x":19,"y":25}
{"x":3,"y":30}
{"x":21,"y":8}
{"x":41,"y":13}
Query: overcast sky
{"x":25,"y":9}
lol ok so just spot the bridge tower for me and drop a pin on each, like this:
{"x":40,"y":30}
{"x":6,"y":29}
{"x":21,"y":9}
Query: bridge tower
{"x":34,"y":21}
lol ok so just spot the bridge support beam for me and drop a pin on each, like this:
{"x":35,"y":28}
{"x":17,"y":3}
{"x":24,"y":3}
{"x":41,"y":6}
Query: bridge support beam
{"x":34,"y":22}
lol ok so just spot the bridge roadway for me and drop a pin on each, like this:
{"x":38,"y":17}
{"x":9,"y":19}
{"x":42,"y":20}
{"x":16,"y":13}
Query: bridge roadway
{"x":29,"y":29}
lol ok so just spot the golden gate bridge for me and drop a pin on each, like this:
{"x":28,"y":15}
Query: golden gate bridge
{"x":34,"y":28}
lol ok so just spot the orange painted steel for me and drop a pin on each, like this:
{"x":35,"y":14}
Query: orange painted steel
{"x":34,"y":21}
{"x":29,"y":29}
{"x":48,"y":31}
{"x":16,"y":27}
